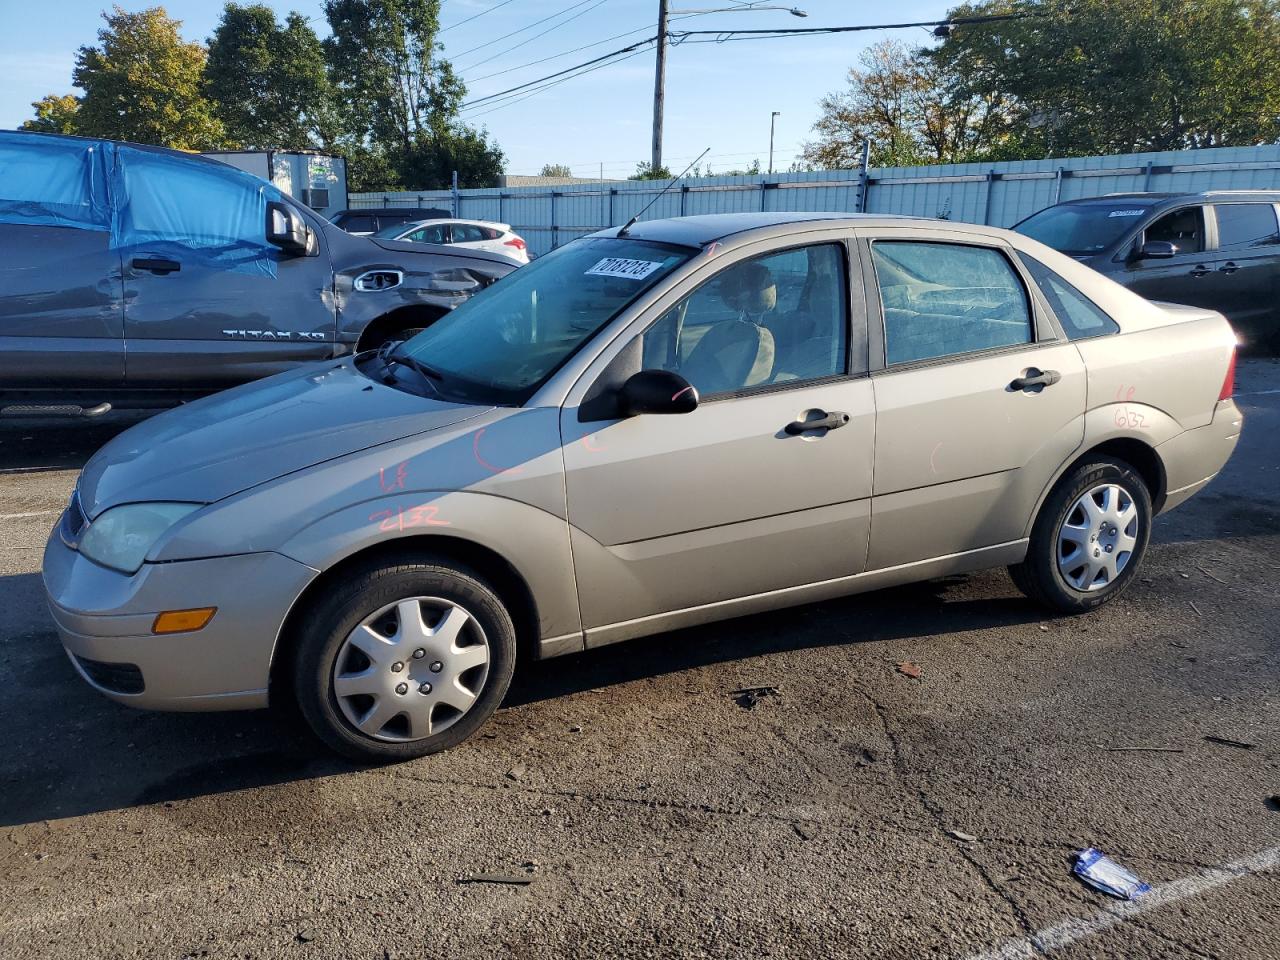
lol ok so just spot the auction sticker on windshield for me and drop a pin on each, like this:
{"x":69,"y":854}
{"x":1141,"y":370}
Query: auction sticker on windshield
{"x":1126,"y":213}
{"x":622,"y":267}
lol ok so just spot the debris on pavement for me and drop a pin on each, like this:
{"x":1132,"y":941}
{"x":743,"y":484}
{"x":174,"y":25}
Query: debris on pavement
{"x":909,"y":669}
{"x":1238,"y":744}
{"x":1210,"y":575}
{"x":962,"y":836}
{"x":805,"y":831}
{"x":1195,"y":608}
{"x":1103,"y":874}
{"x":306,"y":935}
{"x":516,"y":772}
{"x":1273,"y":803}
{"x":748,"y":697}
{"x":1140,"y":749}
{"x":509,"y":879}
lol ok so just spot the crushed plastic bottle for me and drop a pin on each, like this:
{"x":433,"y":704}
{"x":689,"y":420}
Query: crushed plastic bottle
{"x":1102,"y":873}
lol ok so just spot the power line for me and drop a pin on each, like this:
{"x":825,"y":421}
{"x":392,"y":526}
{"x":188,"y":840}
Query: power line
{"x":513,"y":99}
{"x":476,"y":17}
{"x":522,"y":43}
{"x":490,"y":43}
{"x":563,"y":53}
{"x":560,"y":73}
{"x":677,"y":35}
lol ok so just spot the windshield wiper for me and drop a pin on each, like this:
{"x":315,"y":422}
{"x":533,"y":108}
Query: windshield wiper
{"x":415,"y":363}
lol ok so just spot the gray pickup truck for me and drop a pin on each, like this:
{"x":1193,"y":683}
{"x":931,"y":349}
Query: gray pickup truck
{"x":137,"y":276}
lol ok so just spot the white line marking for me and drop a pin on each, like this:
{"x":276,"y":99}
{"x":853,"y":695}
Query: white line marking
{"x":1162,"y":894}
{"x":23,"y":516}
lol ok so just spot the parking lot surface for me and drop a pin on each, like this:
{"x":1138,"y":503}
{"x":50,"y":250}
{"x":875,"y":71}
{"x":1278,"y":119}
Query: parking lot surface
{"x":850,"y":810}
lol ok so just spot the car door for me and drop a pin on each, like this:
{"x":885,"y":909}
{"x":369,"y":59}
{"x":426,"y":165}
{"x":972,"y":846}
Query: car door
{"x":1189,"y":276}
{"x":61,"y":306}
{"x":208,"y":303}
{"x":669,"y":513}
{"x":979,"y":399}
{"x":1247,"y":269}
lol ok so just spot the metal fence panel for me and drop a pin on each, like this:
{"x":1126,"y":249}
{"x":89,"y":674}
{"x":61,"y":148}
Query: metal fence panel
{"x":1000,"y":194}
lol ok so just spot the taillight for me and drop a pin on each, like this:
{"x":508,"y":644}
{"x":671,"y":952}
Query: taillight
{"x":1229,"y":381}
{"x":514,"y":242}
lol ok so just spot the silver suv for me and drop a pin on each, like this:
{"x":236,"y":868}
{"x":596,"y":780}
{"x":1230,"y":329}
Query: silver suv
{"x":675,"y":423}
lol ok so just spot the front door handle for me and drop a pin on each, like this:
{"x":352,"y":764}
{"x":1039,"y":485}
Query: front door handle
{"x":1199,"y":270}
{"x":1229,"y":267}
{"x":158,"y":265}
{"x":826,"y":421}
{"x":1036,"y":380}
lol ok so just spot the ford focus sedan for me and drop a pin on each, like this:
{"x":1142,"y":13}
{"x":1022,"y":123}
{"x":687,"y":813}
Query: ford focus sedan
{"x":648,"y":428}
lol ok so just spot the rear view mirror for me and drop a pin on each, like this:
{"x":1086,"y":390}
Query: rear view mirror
{"x":1157,"y":250}
{"x":657,"y":391}
{"x":287,"y":230}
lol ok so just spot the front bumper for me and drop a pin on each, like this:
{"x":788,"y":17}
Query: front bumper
{"x":1194,"y":457}
{"x":104,"y":619}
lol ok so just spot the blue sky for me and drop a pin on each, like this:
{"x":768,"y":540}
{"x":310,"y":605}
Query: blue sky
{"x":718,"y":95}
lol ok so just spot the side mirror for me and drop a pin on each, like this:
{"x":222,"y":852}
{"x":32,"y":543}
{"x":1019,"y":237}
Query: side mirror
{"x":287,"y":230}
{"x":1156,"y":250}
{"x":657,"y":391}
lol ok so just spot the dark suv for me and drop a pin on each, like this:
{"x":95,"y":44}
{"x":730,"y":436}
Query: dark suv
{"x":1219,"y":249}
{"x":373,"y":219}
{"x":139,"y":276}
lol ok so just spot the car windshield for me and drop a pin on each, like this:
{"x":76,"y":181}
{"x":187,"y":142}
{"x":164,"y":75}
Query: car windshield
{"x":503,"y":343}
{"x":1082,"y":229}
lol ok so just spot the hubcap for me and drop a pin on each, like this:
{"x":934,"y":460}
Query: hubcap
{"x":426,"y":644}
{"x":1098,"y":537}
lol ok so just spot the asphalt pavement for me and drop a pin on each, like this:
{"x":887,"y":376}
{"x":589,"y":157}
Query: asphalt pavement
{"x":647,"y":808}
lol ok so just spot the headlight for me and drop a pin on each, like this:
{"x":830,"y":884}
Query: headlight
{"x":121,"y":537}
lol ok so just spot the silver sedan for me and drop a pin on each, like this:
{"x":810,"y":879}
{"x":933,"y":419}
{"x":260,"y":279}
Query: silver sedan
{"x":649,"y":428}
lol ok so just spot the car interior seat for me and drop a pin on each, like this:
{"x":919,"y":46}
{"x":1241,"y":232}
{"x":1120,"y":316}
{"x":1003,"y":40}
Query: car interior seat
{"x":739,"y":353}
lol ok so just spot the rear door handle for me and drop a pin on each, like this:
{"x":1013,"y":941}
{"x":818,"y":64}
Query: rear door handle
{"x":829,"y":421}
{"x":156,"y":265}
{"x":1229,"y":267}
{"x":1036,"y":379}
{"x":1199,"y":270}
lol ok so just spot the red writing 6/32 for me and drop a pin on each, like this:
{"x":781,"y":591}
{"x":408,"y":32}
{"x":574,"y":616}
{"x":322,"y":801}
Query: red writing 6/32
{"x":402,"y":518}
{"x":1130,"y":418}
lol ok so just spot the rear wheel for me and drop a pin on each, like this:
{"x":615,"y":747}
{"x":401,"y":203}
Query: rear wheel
{"x":1089,"y":538}
{"x":407,"y":659}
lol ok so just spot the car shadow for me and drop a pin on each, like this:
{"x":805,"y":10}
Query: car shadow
{"x":69,"y":752}
{"x":56,"y":444}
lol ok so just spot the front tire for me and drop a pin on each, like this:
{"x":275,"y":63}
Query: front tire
{"x":1088,"y":539}
{"x":406,"y":659}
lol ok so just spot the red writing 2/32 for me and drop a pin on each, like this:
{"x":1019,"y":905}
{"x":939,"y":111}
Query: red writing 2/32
{"x":403,"y":518}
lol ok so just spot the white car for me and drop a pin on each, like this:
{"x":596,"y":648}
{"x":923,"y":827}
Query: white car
{"x":477,"y":234}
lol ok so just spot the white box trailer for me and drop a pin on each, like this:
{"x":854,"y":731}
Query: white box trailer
{"x":317,"y":179}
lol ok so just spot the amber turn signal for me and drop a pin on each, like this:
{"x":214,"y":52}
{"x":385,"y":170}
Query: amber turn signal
{"x":183,"y":621}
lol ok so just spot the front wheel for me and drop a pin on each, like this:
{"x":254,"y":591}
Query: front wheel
{"x":405,"y":660}
{"x":1088,"y":539}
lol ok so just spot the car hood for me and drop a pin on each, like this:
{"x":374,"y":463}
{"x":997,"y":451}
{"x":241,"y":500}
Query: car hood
{"x":232,"y":441}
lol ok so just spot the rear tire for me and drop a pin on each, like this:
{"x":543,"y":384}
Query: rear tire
{"x":1088,"y":539}
{"x":403,"y":660}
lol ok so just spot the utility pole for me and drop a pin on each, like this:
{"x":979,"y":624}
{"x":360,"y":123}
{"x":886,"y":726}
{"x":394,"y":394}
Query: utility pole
{"x":772,"y":119}
{"x":659,"y":88}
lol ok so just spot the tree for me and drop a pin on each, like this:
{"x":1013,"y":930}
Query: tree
{"x":401,"y":97}
{"x":54,"y":114}
{"x":269,"y":84}
{"x":907,"y":104}
{"x":555,"y":170}
{"x":645,"y":172}
{"x":1116,"y":76}
{"x":143,"y":83}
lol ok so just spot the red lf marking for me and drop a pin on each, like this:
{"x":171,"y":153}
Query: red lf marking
{"x":679,"y":393}
{"x":589,"y":443}
{"x":397,"y":483}
{"x":475,"y":450}
{"x":1122,"y":397}
{"x":390,"y":521}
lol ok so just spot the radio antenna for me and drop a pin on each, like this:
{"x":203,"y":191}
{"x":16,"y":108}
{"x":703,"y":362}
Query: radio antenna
{"x":674,"y":180}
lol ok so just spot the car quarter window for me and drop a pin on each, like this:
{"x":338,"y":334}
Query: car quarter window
{"x":946,"y":299}
{"x":1183,"y":228}
{"x":1245,"y":225}
{"x":467,"y":233}
{"x":1081,"y":318}
{"x":774,"y":319}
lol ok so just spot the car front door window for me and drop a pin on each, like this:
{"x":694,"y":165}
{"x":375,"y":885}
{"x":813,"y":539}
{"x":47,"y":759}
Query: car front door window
{"x":1183,"y":228}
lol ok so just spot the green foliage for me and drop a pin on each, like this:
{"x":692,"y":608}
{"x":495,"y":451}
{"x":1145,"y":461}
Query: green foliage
{"x":54,"y":114}
{"x":645,"y":172}
{"x":143,"y":82}
{"x":269,"y":83}
{"x":555,"y":170}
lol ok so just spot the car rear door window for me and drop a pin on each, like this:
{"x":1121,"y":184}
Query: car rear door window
{"x":1183,"y":228}
{"x":775,"y":319}
{"x":466,"y":233}
{"x":1245,"y":225}
{"x":1081,"y":318}
{"x":432,"y":233}
{"x":947,"y":299}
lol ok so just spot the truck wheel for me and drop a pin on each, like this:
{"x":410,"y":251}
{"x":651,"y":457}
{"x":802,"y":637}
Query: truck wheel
{"x":406,"y":659}
{"x":1088,"y":539}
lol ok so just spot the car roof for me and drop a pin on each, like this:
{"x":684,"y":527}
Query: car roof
{"x":146,"y":147}
{"x":397,"y":211}
{"x":408,"y":224}
{"x":697,"y":231}
{"x":1264,"y":196}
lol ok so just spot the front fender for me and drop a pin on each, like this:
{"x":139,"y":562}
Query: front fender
{"x":534,"y":542}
